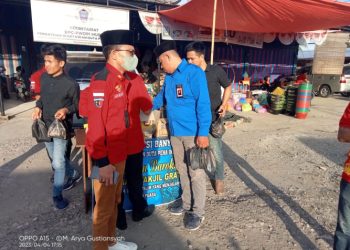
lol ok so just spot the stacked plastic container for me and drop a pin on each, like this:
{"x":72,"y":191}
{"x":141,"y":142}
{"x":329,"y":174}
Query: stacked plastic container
{"x":303,"y":101}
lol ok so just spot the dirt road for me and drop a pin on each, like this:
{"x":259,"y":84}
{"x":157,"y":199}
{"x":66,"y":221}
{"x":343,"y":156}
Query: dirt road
{"x":282,"y":181}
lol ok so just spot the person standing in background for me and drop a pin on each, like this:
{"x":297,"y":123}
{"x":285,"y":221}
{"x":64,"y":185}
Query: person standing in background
{"x":216,"y":78}
{"x":342,"y":232}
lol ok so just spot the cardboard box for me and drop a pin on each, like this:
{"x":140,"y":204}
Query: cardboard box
{"x":162,"y":128}
{"x":148,"y":130}
{"x":152,"y":118}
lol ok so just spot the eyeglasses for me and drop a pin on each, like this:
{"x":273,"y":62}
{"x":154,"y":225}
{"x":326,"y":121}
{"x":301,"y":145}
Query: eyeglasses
{"x":131,"y":51}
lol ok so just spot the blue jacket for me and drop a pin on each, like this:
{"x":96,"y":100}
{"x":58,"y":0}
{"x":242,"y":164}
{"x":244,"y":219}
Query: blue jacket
{"x":189,"y":113}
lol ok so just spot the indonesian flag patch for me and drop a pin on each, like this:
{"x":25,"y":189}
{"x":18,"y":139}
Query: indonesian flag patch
{"x":98,"y":99}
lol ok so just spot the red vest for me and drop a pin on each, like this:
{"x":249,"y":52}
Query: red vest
{"x":105,"y":103}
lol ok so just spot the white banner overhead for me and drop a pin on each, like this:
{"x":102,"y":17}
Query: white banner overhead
{"x":79,"y":24}
{"x":174,"y":30}
{"x":151,"y":21}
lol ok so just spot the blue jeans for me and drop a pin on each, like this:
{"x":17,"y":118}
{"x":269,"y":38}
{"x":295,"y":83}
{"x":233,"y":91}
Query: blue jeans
{"x":56,"y":150}
{"x":342,"y":233}
{"x":216,"y":145}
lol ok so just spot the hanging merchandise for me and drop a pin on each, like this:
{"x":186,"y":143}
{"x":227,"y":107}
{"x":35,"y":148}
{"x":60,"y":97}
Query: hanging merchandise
{"x":269,"y":37}
{"x":286,"y":38}
{"x":319,"y":37}
{"x":300,"y":38}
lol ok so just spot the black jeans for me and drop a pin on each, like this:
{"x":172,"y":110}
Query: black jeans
{"x":134,"y":184}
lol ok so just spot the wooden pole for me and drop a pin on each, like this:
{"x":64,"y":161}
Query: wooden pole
{"x":213,"y":34}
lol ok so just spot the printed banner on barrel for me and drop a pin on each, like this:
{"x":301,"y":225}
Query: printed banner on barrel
{"x":160,"y":179}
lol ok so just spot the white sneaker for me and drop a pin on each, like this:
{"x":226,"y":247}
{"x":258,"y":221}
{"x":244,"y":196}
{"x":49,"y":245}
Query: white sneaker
{"x":123,"y":245}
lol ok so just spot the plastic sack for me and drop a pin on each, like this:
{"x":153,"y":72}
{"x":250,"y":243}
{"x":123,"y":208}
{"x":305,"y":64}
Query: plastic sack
{"x":202,"y":158}
{"x":57,"y":130}
{"x":217,"y":128}
{"x":39,"y":131}
{"x":246,"y":107}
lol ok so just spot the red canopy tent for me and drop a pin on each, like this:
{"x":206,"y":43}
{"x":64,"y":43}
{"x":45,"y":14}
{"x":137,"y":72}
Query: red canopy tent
{"x":264,"y":16}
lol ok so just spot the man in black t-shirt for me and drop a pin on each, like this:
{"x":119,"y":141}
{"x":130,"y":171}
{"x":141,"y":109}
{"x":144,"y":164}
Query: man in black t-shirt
{"x":59,"y":100}
{"x":216,"y":78}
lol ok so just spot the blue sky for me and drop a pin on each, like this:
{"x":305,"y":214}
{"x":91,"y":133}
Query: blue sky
{"x":185,"y":1}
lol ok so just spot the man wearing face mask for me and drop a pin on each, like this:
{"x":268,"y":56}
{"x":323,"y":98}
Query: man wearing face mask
{"x":112,"y":104}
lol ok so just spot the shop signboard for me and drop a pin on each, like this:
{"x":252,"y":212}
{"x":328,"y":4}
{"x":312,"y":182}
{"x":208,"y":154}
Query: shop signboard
{"x":160,"y":179}
{"x":79,"y":24}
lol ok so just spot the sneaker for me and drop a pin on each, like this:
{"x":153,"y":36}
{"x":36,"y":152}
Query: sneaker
{"x":192,"y":221}
{"x":123,"y":245}
{"x":60,"y":202}
{"x":71,"y":181}
{"x":176,"y":209}
{"x":148,"y":211}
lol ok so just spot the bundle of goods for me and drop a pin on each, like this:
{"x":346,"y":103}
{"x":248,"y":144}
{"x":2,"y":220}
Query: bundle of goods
{"x":238,"y":107}
{"x":249,"y":97}
{"x":243,"y":105}
{"x":258,"y":108}
{"x":278,"y":100}
{"x":262,"y":99}
{"x":303,"y":100}
{"x":291,"y":97}
{"x":236,"y":97}
{"x":246,"y":107}
{"x":153,"y":126}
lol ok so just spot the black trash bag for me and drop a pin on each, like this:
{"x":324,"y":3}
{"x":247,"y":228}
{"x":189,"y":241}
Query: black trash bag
{"x":202,"y":158}
{"x":39,"y":131}
{"x":58,"y":130}
{"x":217,"y":128}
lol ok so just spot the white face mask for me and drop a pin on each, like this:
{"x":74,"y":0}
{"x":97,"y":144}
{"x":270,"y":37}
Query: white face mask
{"x":130,"y":62}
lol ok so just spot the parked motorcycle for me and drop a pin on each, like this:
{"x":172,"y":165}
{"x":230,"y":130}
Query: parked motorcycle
{"x":21,"y":90}
{"x":20,"y":87}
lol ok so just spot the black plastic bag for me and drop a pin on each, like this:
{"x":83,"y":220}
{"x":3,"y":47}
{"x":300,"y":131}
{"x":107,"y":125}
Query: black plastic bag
{"x":39,"y":131}
{"x":202,"y":158}
{"x":217,"y":128}
{"x":57,"y":130}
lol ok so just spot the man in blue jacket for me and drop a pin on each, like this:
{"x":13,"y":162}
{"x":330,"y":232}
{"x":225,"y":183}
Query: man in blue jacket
{"x":185,"y":94}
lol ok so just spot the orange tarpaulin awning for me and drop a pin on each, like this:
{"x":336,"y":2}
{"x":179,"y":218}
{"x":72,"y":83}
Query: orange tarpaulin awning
{"x":264,"y":16}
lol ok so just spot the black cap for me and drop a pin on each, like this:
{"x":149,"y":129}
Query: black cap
{"x":115,"y":37}
{"x":164,"y":46}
